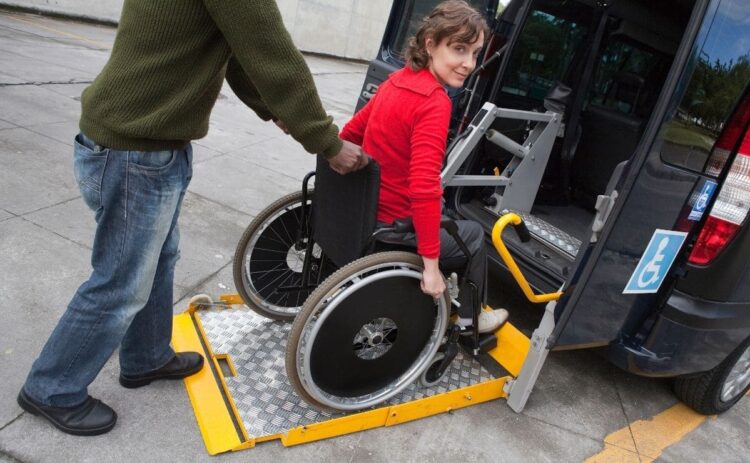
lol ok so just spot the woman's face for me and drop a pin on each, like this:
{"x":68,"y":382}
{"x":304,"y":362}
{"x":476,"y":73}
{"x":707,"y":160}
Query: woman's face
{"x":451,"y":63}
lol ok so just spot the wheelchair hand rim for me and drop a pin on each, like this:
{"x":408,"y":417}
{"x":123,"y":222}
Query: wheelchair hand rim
{"x":398,"y":385}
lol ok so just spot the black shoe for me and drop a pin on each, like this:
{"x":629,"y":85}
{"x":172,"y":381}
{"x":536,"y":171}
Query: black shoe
{"x":91,"y":418}
{"x":182,"y":365}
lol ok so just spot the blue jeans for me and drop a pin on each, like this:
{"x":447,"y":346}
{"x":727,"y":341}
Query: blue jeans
{"x":127,"y":301}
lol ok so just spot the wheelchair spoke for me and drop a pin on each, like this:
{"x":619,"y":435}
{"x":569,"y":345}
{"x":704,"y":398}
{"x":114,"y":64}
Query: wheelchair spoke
{"x":286,"y":230}
{"x":261,"y":290}
{"x":268,"y":264}
{"x":280,"y":240}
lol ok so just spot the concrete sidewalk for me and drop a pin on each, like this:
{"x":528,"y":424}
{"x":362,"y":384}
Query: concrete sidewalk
{"x":240,"y":167}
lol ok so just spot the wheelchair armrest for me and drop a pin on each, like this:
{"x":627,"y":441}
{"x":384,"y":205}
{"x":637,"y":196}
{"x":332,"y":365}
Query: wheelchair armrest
{"x":403,"y":225}
{"x":450,"y":226}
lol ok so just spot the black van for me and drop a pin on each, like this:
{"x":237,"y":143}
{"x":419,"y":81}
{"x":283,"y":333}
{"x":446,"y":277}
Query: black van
{"x":649,"y":171}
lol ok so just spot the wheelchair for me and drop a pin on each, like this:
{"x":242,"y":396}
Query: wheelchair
{"x":362,"y":328}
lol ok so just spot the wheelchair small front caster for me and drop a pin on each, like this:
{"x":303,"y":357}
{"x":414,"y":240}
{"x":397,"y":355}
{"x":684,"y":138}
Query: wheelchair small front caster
{"x":433,"y":374}
{"x":200,"y":301}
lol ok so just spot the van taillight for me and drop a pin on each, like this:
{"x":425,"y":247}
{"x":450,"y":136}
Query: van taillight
{"x":729,"y":210}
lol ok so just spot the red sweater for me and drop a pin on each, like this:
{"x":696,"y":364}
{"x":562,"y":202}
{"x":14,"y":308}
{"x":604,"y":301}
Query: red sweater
{"x":404,"y":127}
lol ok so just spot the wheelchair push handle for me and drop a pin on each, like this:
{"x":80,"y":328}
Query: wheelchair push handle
{"x":523,"y":234}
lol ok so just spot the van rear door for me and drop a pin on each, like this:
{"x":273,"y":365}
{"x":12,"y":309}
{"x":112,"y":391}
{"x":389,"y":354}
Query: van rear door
{"x":662,"y":188}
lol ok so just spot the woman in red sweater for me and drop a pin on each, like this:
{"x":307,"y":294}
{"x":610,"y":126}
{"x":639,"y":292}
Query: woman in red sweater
{"x":404,"y":127}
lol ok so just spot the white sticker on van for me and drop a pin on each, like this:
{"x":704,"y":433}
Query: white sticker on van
{"x":702,"y":200}
{"x":655,"y":262}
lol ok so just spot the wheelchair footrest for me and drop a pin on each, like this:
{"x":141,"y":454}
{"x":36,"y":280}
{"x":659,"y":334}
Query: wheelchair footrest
{"x":487,"y":342}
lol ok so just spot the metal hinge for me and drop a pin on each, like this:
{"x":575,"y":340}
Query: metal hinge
{"x":604,"y":206}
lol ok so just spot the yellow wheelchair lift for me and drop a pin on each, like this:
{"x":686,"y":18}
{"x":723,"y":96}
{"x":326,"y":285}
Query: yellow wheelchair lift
{"x":242,"y":396}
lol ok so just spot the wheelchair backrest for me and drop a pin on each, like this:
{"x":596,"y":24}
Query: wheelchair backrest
{"x":344,"y":210}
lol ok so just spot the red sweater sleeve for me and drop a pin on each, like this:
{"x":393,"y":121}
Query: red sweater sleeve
{"x":428,"y":140}
{"x":354,"y":130}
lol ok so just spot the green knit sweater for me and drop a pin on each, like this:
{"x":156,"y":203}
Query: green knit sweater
{"x":168,"y":63}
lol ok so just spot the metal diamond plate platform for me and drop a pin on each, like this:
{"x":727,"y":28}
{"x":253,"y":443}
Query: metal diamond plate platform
{"x":263,"y":396}
{"x":551,"y":235}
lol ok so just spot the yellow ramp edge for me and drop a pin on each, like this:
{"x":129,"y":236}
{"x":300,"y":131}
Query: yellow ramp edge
{"x":397,"y":414}
{"x":512,"y":348}
{"x":215,"y":421}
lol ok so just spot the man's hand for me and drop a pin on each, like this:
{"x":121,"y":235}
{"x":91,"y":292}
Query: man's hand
{"x":350,"y":158}
{"x":280,"y":124}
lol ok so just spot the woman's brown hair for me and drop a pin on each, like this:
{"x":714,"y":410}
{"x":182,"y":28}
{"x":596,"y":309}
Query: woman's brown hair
{"x":452,"y":19}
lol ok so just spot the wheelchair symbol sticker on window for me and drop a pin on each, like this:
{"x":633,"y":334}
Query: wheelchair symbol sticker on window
{"x":655,"y":262}
{"x":702,"y":200}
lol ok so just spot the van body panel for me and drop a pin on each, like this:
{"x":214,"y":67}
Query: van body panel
{"x":690,"y":336}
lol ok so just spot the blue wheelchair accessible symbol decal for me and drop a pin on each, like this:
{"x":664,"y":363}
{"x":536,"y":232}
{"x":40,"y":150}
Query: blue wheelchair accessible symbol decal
{"x":702,"y":200}
{"x":655,"y":262}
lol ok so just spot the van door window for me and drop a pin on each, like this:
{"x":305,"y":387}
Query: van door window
{"x":549,"y":40}
{"x":720,"y":72}
{"x":621,"y":76}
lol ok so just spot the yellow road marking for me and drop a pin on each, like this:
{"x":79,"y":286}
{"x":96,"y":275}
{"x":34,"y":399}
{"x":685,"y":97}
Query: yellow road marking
{"x":57,"y":31}
{"x":645,"y":440}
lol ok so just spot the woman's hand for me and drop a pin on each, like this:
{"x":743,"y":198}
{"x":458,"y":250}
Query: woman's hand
{"x":432,"y":283}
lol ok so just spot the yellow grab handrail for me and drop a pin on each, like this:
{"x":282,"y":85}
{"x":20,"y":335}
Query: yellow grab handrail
{"x":497,"y":240}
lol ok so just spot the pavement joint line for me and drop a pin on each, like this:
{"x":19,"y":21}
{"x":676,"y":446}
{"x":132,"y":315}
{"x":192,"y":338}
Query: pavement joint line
{"x":66,"y":34}
{"x":342,"y":73}
{"x":10,"y":457}
{"x":205,"y":198}
{"x":624,"y":413}
{"x":52,"y":82}
{"x":204,"y":281}
{"x":251,"y":161}
{"x":203,"y":144}
{"x":12,"y":215}
{"x":655,"y":434}
{"x":201,"y":161}
{"x":25,"y":219}
{"x":13,"y":420}
{"x":554,"y":425}
{"x":51,"y":63}
{"x":614,"y":453}
{"x":32,"y":129}
{"x":53,"y":40}
{"x":49,"y":206}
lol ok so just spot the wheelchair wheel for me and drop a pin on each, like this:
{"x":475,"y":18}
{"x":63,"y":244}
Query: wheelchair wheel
{"x":366,"y":333}
{"x":269,"y":258}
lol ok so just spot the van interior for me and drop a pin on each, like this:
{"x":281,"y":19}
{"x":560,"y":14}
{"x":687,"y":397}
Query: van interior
{"x":615,"y":62}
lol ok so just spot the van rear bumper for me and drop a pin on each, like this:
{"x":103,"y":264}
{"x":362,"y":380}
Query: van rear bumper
{"x":691,"y":335}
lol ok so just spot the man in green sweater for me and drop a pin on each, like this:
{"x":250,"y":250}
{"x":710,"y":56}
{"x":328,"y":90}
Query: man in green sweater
{"x":132,"y":161}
